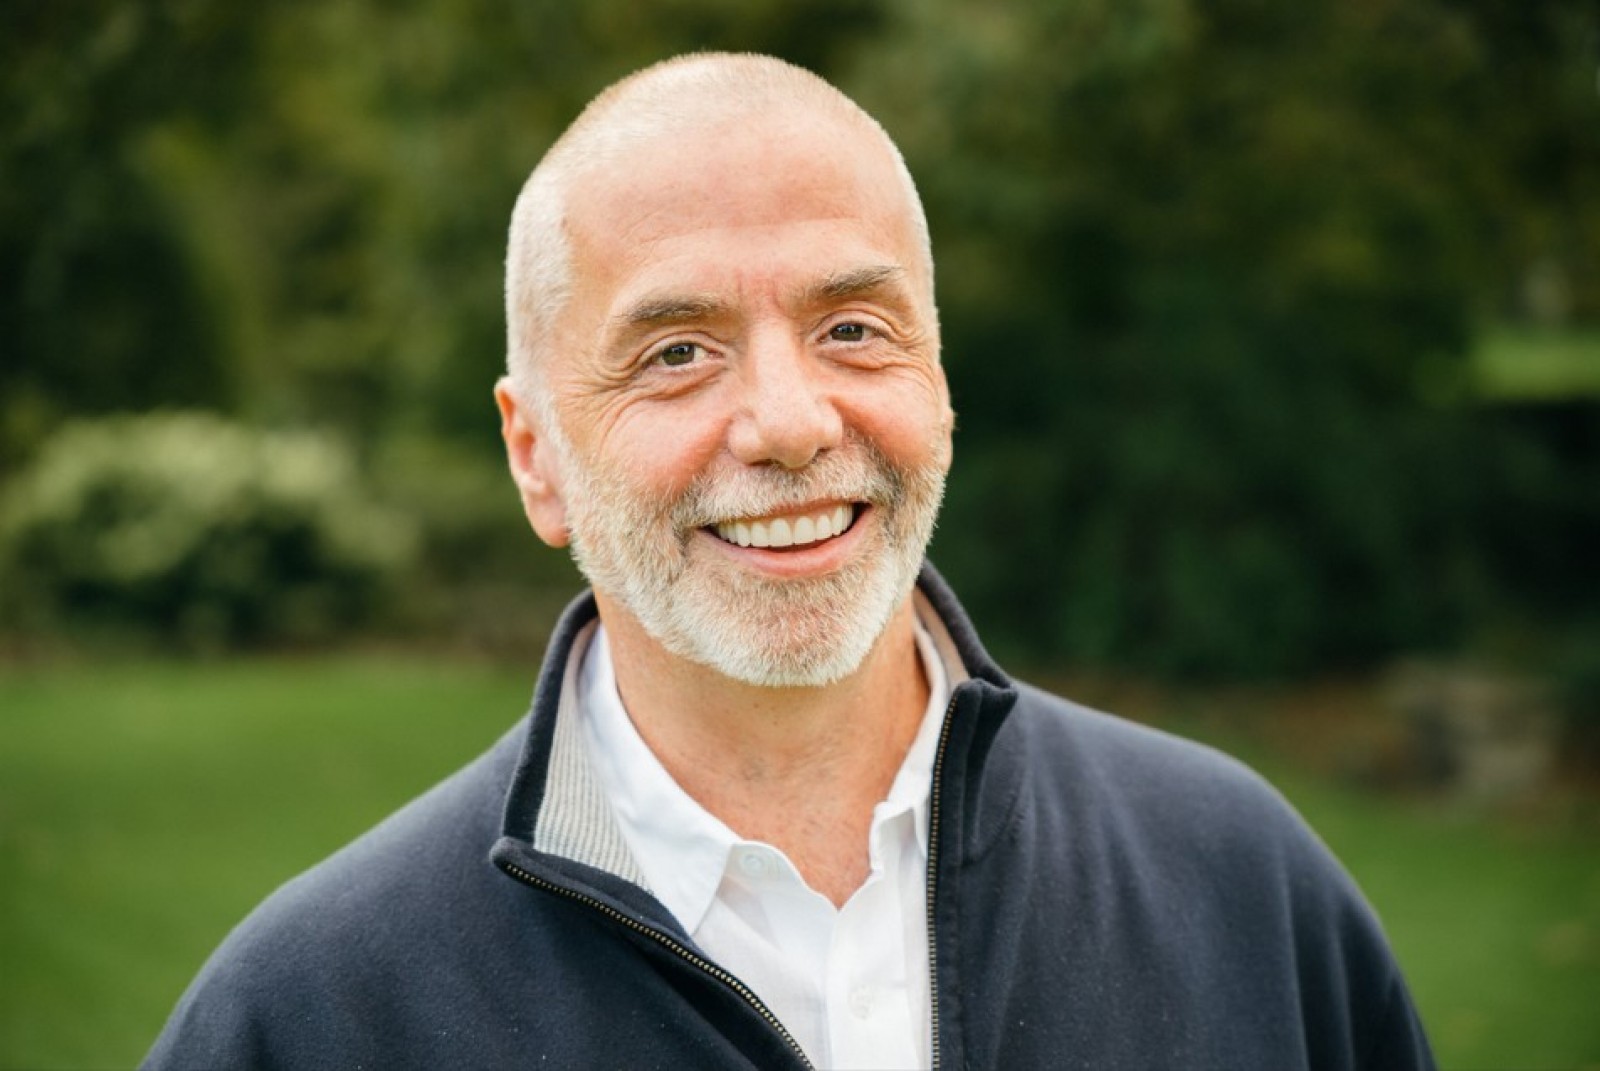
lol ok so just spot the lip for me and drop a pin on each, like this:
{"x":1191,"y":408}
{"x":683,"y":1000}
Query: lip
{"x":816,"y":559}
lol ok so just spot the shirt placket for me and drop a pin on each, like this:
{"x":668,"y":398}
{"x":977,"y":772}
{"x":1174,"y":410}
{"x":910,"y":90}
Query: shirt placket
{"x":869,"y":1001}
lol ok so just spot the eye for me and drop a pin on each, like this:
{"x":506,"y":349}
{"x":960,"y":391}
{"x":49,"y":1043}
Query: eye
{"x":678,"y":354}
{"x":848,"y":332}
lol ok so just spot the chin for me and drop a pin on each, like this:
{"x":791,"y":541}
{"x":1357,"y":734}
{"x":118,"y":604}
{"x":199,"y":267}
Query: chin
{"x":780,"y":634}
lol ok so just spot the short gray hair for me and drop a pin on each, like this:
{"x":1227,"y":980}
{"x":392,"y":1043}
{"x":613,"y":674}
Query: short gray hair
{"x":672,"y":95}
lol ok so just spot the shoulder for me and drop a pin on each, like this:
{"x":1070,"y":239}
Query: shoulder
{"x":1133,"y":766}
{"x":1173,"y":809}
{"x":333,"y":934}
{"x":1166,"y":851}
{"x":409,"y":858}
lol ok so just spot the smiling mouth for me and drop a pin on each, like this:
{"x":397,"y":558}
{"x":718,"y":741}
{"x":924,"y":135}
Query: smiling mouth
{"x":802,"y":529}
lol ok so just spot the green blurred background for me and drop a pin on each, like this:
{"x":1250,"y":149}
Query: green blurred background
{"x":1274,"y":337}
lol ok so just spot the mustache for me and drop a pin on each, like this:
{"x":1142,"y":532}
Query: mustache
{"x":855,"y":472}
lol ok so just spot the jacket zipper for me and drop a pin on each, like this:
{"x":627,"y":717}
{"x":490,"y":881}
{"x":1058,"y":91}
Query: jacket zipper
{"x":932,"y":882}
{"x":676,"y":947}
{"x":743,"y":990}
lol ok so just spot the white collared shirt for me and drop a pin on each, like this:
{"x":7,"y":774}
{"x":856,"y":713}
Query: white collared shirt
{"x":850,"y":983}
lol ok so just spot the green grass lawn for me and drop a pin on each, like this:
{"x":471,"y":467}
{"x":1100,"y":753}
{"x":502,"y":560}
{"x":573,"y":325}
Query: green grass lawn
{"x":145,"y":808}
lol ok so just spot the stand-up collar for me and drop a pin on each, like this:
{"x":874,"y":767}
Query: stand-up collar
{"x":556,"y":803}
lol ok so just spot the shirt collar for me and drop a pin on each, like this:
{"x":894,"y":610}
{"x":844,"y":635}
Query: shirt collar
{"x":910,"y":790}
{"x":681,"y":847}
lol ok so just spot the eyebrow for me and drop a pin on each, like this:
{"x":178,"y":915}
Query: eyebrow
{"x":853,"y":283}
{"x":665,"y":309}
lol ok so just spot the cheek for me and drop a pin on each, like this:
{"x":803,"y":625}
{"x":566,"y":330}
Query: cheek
{"x":659,"y":446}
{"x":911,"y":423}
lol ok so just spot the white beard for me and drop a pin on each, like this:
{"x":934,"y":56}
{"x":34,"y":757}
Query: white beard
{"x":764,"y":631}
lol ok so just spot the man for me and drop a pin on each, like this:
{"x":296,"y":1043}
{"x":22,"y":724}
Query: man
{"x":774,"y":806}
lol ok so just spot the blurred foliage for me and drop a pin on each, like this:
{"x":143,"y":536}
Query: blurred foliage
{"x":195,"y":532}
{"x":1539,"y":364}
{"x":477,"y":586}
{"x":1211,"y":276}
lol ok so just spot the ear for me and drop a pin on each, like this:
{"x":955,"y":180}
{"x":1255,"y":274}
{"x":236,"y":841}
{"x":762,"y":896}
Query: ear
{"x":533,"y":466}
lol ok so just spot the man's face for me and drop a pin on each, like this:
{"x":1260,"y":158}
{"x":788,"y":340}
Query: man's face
{"x":754,"y":426}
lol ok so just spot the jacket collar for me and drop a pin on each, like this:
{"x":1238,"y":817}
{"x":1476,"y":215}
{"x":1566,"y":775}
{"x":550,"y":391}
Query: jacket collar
{"x":556,"y":805}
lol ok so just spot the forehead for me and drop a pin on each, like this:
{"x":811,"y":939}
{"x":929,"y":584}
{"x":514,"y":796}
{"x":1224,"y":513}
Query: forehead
{"x":740,"y":185}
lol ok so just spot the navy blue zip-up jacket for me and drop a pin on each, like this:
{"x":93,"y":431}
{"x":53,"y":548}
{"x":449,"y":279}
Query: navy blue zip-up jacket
{"x":1102,"y":896}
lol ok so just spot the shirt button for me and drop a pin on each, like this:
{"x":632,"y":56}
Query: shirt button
{"x":860,"y":1001}
{"x":753,"y":864}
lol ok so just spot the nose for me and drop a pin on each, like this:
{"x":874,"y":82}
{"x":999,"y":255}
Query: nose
{"x":785,"y":415}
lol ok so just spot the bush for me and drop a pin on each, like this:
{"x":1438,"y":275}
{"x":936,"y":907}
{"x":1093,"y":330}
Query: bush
{"x":195,"y":532}
{"x":484,"y":583}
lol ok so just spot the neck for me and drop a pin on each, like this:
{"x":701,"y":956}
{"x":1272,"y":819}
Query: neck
{"x":798,"y":768}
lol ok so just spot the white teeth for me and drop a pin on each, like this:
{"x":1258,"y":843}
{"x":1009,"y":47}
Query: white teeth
{"x":783,"y":532}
